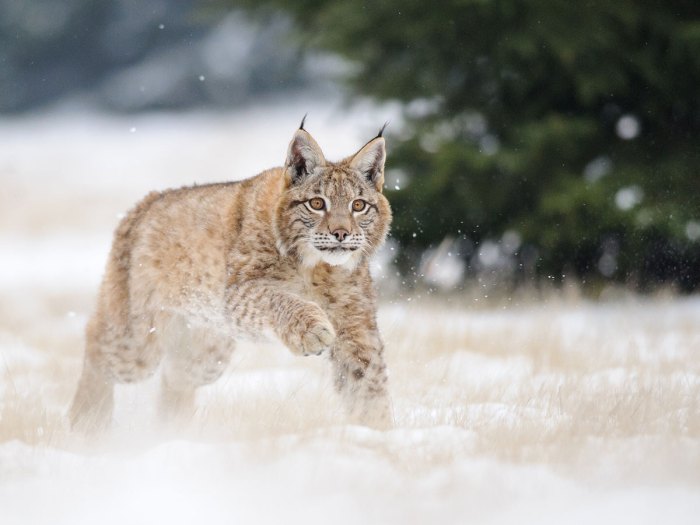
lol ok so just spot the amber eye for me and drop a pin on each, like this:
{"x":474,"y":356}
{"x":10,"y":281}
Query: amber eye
{"x":358,"y":205}
{"x":317,"y":203}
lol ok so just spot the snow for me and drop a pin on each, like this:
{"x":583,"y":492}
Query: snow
{"x":336,"y":478}
{"x":546,"y":411}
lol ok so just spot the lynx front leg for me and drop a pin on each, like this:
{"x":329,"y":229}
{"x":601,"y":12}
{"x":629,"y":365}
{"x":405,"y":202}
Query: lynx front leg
{"x":195,"y":355}
{"x":301,"y":325}
{"x":305,"y":328}
{"x":361,"y":379}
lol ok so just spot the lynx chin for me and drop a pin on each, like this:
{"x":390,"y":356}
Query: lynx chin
{"x":285,"y":252}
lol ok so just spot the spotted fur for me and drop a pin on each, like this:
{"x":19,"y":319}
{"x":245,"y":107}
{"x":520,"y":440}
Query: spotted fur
{"x":193,"y":269}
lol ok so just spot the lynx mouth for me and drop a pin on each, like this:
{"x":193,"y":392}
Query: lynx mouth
{"x":336,"y":249}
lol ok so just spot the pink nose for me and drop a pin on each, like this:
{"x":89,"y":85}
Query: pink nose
{"x":340,"y":234}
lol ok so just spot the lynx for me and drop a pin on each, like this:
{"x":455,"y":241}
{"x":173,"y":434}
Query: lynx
{"x":284,"y":253}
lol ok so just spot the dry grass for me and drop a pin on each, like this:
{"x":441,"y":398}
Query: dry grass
{"x":563,"y":385}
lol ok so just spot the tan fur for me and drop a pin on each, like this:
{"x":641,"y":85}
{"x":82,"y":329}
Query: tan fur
{"x":194,"y":268}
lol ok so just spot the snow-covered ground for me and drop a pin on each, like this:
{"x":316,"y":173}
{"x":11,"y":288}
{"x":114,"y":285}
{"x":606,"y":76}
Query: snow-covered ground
{"x":559,"y":411}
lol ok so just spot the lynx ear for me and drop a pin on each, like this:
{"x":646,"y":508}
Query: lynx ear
{"x":370,"y":161}
{"x":303,"y":156}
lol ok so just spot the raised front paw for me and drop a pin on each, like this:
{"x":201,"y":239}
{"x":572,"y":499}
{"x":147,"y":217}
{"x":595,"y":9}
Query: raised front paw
{"x":310,"y":332}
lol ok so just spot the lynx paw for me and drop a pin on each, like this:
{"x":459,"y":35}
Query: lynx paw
{"x":312,"y":334}
{"x":318,"y":339}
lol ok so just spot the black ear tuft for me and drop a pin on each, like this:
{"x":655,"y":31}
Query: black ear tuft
{"x":381,"y":131}
{"x":301,"y":126}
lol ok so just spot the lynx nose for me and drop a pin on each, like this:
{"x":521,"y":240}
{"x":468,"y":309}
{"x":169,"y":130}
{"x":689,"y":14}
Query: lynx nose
{"x":340,"y":234}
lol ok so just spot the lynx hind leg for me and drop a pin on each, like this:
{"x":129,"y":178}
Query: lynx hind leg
{"x":195,"y":355}
{"x":114,"y":354}
{"x":93,"y":403}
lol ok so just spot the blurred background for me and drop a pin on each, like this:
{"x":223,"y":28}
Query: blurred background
{"x":530,"y":141}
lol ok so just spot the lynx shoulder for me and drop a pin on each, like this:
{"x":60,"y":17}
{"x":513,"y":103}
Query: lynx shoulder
{"x":285,"y":252}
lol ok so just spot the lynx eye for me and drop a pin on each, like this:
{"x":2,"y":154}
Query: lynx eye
{"x":317,"y":203}
{"x":358,"y":205}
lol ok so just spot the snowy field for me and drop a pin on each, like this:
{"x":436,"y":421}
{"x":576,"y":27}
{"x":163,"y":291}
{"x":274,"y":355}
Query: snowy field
{"x":556,"y":411}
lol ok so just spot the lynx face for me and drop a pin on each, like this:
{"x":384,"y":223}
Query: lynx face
{"x":332,"y":212}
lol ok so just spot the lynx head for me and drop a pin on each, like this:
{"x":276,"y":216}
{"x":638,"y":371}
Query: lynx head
{"x":332,"y":212}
